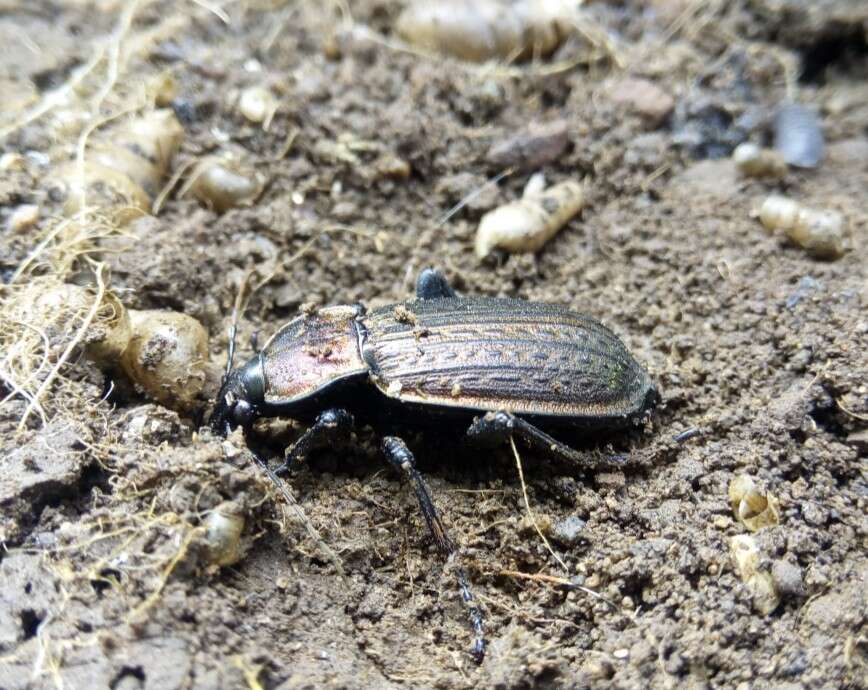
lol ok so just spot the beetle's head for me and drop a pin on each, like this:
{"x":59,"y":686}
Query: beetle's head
{"x":652,"y":398}
{"x":240,"y":399}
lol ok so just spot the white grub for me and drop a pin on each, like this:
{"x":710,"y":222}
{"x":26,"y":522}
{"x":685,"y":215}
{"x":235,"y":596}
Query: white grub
{"x":223,"y":529}
{"x":480,"y":30}
{"x":535,"y":185}
{"x":778,"y":213}
{"x":819,"y":232}
{"x":753,"y":508}
{"x":59,"y":309}
{"x":102,"y":187}
{"x":221,"y":184}
{"x":258,"y":105}
{"x":142,"y":148}
{"x":526,"y":225}
{"x":110,"y":333}
{"x":747,"y":559}
{"x":755,"y":161}
{"x":23,"y":218}
{"x":125,"y":169}
{"x":166,"y":356}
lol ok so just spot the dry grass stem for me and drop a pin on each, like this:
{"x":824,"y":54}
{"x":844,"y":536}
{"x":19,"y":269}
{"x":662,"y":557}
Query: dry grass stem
{"x":529,"y":511}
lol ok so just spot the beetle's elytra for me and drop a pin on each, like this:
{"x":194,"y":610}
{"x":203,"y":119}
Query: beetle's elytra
{"x":505,"y":366}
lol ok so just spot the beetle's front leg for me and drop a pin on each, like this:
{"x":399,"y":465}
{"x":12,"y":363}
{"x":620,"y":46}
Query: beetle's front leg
{"x":400,"y":457}
{"x":498,"y":427}
{"x":331,"y":428}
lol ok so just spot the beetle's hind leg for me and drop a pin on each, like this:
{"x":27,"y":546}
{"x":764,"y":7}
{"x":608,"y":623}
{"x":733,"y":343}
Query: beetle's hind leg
{"x":432,"y":284}
{"x":497,"y":427}
{"x":400,"y":457}
{"x":331,"y":428}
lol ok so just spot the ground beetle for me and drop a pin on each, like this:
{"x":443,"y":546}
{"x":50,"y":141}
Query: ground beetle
{"x":502,"y":367}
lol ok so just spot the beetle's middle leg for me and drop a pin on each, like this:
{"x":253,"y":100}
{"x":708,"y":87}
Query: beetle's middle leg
{"x":499,"y":426}
{"x":400,"y":457}
{"x":331,"y":428}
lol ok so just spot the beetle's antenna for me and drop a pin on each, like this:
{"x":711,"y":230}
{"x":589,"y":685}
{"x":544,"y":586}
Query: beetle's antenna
{"x":237,"y":310}
{"x":233,"y":331}
{"x":284,"y":491}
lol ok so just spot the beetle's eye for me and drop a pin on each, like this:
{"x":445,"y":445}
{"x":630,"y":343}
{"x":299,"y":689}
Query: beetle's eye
{"x":242,"y":413}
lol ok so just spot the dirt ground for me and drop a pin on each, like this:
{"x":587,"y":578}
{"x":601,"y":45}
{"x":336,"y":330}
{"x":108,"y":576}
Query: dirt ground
{"x":759,"y":350}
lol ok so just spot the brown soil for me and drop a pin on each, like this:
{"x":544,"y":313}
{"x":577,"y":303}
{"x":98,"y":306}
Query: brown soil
{"x":764,"y":350}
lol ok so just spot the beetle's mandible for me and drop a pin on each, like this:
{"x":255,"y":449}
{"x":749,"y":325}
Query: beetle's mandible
{"x":504,"y":367}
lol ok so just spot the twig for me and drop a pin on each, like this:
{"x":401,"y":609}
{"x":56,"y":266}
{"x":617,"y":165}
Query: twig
{"x":114,"y":52}
{"x":38,"y":249}
{"x":59,"y":95}
{"x":216,"y":10}
{"x":157,"y":206}
{"x":249,"y":671}
{"x":539,"y":577}
{"x":560,"y":581}
{"x":287,"y":145}
{"x":850,"y":413}
{"x":164,"y":578}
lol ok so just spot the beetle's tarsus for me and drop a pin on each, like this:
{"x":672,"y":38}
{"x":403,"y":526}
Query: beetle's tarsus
{"x":478,"y":651}
{"x":400,"y":457}
{"x":331,"y":428}
{"x":432,"y":284}
{"x":497,"y":427}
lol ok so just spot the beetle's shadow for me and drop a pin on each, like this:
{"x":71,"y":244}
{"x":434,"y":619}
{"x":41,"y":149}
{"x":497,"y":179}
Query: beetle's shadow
{"x":445,"y":452}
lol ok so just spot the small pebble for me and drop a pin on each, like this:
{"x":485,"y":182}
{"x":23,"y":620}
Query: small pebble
{"x":814,"y":514}
{"x":532,"y":148}
{"x":23,"y":218}
{"x":621,"y":654}
{"x":568,"y":532}
{"x":11,"y":161}
{"x":392,"y":167}
{"x":798,"y":136}
{"x":598,"y":669}
{"x":645,"y":98}
{"x":258,"y":104}
{"x":788,"y":579}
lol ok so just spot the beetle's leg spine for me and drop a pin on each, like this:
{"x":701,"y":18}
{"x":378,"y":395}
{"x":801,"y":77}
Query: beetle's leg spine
{"x":400,"y":457}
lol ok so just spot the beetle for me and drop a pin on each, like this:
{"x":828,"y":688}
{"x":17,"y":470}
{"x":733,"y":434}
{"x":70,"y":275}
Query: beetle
{"x":500,"y":367}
